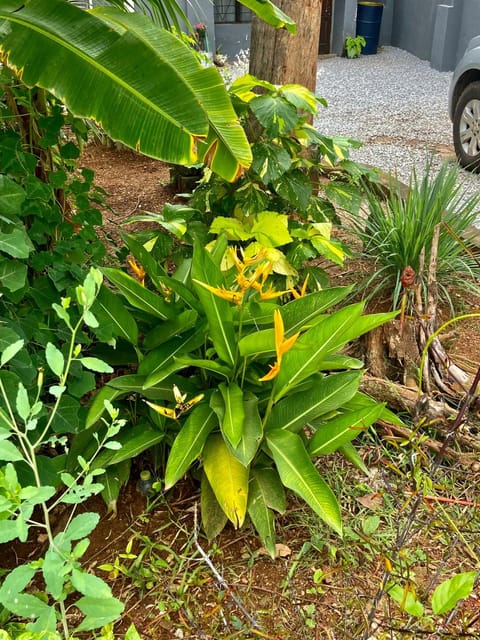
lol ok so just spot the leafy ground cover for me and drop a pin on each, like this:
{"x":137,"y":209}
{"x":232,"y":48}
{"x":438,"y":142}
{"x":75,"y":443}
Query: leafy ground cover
{"x":177,"y":585}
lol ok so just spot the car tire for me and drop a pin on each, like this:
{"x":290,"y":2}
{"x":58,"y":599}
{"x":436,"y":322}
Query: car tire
{"x":466,"y":127}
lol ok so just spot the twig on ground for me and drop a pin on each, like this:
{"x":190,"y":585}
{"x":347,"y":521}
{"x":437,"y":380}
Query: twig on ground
{"x":220,"y":579}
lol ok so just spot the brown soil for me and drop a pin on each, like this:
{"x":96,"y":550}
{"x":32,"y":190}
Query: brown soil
{"x":320,"y":587}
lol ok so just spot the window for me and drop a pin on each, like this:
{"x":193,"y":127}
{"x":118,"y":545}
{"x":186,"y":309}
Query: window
{"x":231,"y":11}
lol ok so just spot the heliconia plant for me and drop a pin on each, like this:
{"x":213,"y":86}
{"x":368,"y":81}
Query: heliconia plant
{"x":233,"y":371}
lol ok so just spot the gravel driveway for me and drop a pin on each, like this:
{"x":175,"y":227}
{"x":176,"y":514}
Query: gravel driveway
{"x":396,"y":104}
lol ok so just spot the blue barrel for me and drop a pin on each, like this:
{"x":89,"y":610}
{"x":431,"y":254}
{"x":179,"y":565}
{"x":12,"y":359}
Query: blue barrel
{"x":369,"y":18}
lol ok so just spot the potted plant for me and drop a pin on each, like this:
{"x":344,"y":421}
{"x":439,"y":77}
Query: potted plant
{"x":354,"y":45}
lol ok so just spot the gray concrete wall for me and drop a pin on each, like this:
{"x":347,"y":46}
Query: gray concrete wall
{"x":434,"y":30}
{"x":469,"y":25}
{"x":230,"y":38}
{"x":344,"y":23}
{"x":412,"y":26}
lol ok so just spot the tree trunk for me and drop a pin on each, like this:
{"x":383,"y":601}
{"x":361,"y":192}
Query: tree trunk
{"x":280,"y":57}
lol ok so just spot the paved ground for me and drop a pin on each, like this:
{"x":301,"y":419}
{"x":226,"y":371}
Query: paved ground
{"x":396,"y":104}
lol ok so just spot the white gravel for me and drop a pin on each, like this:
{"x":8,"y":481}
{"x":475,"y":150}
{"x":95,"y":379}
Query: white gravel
{"x":396,"y":104}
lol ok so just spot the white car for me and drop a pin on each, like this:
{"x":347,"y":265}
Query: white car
{"x":464,"y":105}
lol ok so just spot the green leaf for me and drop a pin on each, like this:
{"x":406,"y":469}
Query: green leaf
{"x":298,"y":473}
{"x":22,"y":402}
{"x":325,"y":338}
{"x":170,"y":328}
{"x":97,"y":407}
{"x":162,"y":362}
{"x":131,"y":634}
{"x":189,"y":443}
{"x":342,"y":429}
{"x":329,"y":249}
{"x":270,"y":161}
{"x":113,"y":479}
{"x":55,"y":359}
{"x":217,"y":310}
{"x":296,"y":188}
{"x":26,"y":605}
{"x":16,"y":243}
{"x":115,"y":319}
{"x":274,"y":113}
{"x":262,"y":517}
{"x":213,"y":516}
{"x":406,"y":599}
{"x":447,"y":594}
{"x":90,"y":585}
{"x":97,"y":365}
{"x":327,"y":394}
{"x":252,"y":433}
{"x":258,"y":344}
{"x":11,"y":351}
{"x":133,"y":442}
{"x":8,"y":531}
{"x":139,"y":296}
{"x":304,"y":312}
{"x":271,"y":229}
{"x":270,"y":14}
{"x":228,"y":479}
{"x":67,"y":416}
{"x":12,"y":197}
{"x":54,"y":569}
{"x":36,"y":495}
{"x":80,"y":526}
{"x":349,"y":452}
{"x":347,"y":196}
{"x":234,"y":414}
{"x":15,"y":582}
{"x":233,"y":228}
{"x":98,"y":611}
{"x":206,"y":365}
{"x":13,"y":274}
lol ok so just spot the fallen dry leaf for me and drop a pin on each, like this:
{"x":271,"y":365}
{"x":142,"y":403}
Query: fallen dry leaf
{"x":372,"y":501}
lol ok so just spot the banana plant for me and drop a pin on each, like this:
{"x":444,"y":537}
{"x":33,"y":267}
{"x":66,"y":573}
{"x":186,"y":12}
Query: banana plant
{"x":143,"y":85}
{"x":236,"y":370}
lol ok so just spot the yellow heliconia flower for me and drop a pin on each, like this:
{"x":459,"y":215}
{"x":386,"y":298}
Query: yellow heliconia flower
{"x":138,"y":270}
{"x":271,"y":293}
{"x":163,"y":411}
{"x":180,"y":407}
{"x":221,"y":292}
{"x":299,"y":294}
{"x":282,"y":345}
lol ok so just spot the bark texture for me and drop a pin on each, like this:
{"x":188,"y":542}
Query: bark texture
{"x":278,"y":56}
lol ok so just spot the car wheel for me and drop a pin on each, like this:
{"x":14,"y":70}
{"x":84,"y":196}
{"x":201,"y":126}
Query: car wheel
{"x":466,"y":127}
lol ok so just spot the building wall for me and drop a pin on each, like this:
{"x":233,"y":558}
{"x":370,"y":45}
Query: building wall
{"x":412,"y":27}
{"x":434,"y":30}
{"x":231,"y":38}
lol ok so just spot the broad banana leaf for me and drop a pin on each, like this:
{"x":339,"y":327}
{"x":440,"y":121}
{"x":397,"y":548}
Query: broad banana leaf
{"x":166,"y":13}
{"x":270,"y":14}
{"x":138,"y":81}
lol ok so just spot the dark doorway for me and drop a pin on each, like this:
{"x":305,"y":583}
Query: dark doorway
{"x":325,"y":27}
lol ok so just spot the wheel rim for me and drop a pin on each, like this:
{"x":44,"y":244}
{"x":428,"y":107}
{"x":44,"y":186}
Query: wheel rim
{"x":470,"y":128}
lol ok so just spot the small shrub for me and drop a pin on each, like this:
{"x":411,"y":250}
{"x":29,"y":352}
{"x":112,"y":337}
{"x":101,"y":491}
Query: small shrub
{"x":399,"y":230}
